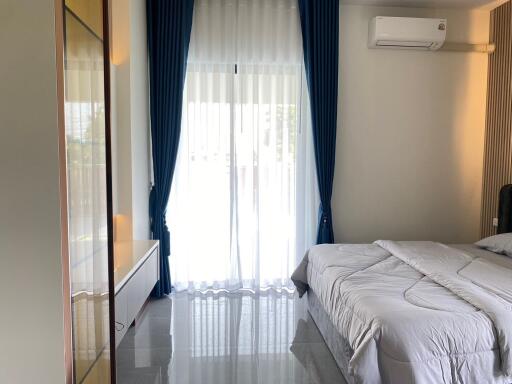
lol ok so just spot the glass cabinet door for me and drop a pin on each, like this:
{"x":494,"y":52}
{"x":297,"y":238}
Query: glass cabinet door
{"x":86,"y":166}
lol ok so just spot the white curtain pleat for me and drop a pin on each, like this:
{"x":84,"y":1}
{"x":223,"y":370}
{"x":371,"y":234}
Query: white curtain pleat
{"x":244,"y":196}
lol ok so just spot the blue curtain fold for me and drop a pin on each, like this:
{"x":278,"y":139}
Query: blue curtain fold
{"x":320,"y":38}
{"x":169,"y":24}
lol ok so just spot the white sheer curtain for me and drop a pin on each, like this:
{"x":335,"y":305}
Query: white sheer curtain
{"x":243,"y":203}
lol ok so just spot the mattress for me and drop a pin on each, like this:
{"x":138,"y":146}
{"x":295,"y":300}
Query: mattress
{"x":410,"y":319}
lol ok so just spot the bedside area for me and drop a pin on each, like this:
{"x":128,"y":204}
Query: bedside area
{"x":136,"y":271}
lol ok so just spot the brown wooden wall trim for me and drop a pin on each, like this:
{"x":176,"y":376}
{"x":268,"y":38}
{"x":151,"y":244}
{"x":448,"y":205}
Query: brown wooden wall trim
{"x":498,"y":133}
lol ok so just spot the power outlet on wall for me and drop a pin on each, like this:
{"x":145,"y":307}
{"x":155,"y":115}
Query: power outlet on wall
{"x":495,"y":222}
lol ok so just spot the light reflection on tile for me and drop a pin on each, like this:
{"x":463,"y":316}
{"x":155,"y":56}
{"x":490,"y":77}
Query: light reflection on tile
{"x":226,"y":339}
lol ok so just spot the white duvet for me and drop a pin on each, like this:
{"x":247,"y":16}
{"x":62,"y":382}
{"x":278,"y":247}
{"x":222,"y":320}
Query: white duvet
{"x":415,"y":312}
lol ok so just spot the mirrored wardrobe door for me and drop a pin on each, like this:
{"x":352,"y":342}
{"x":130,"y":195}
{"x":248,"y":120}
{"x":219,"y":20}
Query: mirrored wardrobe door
{"x":88,"y":188}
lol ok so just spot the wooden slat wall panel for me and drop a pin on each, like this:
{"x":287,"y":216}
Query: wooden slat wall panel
{"x":498,"y":135}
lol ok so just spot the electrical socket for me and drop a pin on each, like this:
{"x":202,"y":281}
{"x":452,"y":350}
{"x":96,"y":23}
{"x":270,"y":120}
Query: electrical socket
{"x":495,"y":222}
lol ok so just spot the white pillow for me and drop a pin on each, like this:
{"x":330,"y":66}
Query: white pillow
{"x":497,"y":244}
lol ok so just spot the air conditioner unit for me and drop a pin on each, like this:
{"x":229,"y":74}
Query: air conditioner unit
{"x":407,"y":33}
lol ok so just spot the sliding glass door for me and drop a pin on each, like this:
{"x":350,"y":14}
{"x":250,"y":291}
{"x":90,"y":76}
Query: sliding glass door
{"x":86,"y":163}
{"x":243,"y":204}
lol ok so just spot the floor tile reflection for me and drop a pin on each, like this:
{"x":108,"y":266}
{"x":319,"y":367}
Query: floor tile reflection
{"x":226,"y":338}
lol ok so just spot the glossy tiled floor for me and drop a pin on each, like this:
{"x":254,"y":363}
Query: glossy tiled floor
{"x":226,"y":339}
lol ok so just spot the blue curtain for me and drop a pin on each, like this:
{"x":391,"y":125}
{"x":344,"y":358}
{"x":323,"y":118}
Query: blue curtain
{"x":320,"y":36}
{"x":169,"y":24}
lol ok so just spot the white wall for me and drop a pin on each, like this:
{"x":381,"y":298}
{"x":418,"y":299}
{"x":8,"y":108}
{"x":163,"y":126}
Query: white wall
{"x":410,"y":133}
{"x":131,"y":128}
{"x":140,"y":120}
{"x":31,"y":320}
{"x":121,"y":126}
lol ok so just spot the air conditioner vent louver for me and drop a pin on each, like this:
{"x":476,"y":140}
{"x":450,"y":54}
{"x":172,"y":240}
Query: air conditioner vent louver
{"x":404,"y":44}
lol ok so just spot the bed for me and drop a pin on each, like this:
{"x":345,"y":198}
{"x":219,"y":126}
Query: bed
{"x":412,"y":312}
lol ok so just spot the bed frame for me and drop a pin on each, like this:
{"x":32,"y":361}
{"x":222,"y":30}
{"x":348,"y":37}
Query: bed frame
{"x":505,"y":210}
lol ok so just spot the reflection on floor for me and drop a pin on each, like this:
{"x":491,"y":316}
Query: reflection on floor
{"x":226,"y":338}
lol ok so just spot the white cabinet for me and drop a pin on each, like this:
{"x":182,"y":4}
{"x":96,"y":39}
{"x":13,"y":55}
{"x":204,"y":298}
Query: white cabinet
{"x":121,"y":319}
{"x":136,"y":273}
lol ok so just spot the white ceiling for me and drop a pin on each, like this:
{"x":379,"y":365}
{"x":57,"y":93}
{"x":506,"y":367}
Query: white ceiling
{"x":483,"y":4}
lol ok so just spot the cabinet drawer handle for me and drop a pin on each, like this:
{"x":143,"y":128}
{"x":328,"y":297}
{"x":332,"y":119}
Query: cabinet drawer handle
{"x":119,"y":326}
